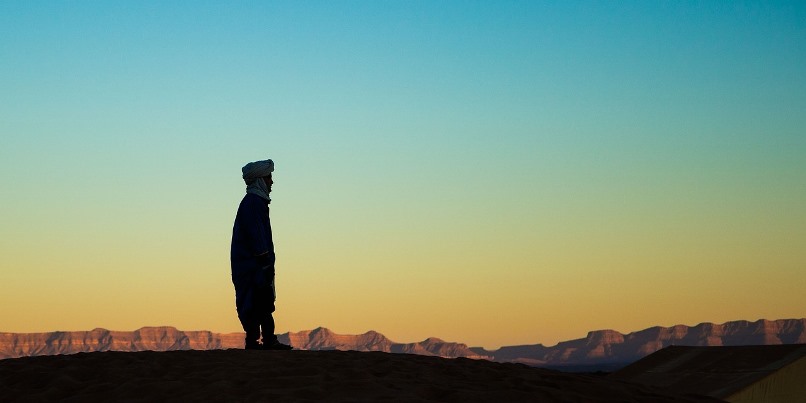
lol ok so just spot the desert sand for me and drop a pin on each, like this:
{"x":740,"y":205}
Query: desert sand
{"x":276,"y":376}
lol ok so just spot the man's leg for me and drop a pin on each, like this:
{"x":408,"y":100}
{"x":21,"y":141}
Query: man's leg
{"x":267,"y":325}
{"x":251,"y":325}
{"x":245,"y":306}
{"x":270,"y":341}
{"x":265,"y":305}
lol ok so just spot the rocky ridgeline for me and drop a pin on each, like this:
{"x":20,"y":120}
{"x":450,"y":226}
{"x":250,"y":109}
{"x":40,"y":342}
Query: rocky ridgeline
{"x":324,"y":339}
{"x":599,"y":347}
{"x":13,"y":345}
{"x":610,"y":346}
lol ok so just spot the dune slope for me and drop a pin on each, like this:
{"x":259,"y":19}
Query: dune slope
{"x":239,"y":375}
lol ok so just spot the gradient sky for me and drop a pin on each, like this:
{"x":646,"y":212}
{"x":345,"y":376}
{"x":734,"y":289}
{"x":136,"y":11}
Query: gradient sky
{"x":488,"y":172}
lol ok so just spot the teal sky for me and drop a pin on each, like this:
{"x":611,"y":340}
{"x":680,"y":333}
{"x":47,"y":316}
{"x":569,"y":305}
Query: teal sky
{"x":437,"y":163}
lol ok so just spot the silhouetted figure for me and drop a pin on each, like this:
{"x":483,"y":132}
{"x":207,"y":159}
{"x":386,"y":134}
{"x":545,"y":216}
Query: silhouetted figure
{"x":252,"y":259}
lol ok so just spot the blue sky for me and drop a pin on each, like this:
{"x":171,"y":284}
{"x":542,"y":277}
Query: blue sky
{"x":584,"y":146}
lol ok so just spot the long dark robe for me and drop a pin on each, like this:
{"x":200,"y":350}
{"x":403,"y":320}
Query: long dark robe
{"x":252,"y":248}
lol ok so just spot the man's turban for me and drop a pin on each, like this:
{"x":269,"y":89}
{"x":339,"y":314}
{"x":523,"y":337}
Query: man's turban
{"x":252,"y":172}
{"x":257,"y":169}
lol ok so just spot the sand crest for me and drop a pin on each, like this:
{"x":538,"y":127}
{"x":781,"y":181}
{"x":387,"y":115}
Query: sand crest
{"x":276,"y":376}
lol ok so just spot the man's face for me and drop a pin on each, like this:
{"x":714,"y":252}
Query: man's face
{"x":268,"y":181}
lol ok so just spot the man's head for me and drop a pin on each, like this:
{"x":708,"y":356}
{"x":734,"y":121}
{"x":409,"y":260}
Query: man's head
{"x":257,"y":176}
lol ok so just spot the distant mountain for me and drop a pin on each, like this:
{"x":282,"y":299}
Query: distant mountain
{"x":13,"y":345}
{"x":600,"y":349}
{"x":324,"y":339}
{"x":611,"y":349}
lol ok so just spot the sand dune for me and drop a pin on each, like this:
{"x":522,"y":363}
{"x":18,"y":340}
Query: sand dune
{"x":239,"y":375}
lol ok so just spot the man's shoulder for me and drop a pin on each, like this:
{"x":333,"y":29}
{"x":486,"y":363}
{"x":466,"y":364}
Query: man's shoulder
{"x":253,"y":198}
{"x":253,"y":201}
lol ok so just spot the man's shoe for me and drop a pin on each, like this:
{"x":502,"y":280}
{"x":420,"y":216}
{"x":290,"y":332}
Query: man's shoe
{"x":277,"y":346}
{"x":253,"y":346}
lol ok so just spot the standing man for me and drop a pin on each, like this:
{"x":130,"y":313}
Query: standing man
{"x":252,"y":259}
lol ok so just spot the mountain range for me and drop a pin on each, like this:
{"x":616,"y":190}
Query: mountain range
{"x":599,"y":350}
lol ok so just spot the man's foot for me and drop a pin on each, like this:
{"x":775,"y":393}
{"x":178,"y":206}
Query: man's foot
{"x":276,"y":345}
{"x":253,"y":346}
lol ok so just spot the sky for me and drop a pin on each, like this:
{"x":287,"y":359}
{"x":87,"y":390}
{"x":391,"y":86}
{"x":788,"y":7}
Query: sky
{"x":487,"y":172}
